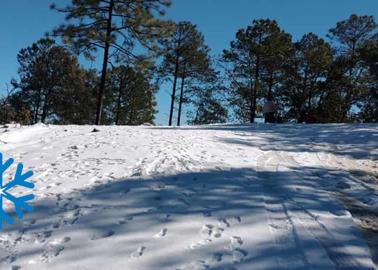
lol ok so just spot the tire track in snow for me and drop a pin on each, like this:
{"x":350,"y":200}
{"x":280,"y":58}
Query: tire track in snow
{"x":280,"y":224}
{"x":316,"y":245}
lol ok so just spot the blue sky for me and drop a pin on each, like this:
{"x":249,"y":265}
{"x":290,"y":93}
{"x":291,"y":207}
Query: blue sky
{"x":24,"y":21}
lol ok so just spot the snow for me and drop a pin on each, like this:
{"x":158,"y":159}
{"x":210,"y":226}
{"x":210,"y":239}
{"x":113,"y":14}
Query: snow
{"x":211,"y":197}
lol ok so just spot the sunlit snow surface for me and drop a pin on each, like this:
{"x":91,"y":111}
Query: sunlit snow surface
{"x":211,"y":197}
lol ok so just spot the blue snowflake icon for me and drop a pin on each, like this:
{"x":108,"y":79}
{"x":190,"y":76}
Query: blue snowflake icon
{"x":19,"y":179}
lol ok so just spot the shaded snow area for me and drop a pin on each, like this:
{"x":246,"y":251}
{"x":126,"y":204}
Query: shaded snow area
{"x":213,"y":197}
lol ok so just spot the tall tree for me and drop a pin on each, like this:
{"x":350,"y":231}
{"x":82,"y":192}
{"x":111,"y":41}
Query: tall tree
{"x":187,"y":57}
{"x":114,"y":26}
{"x":369,"y":101}
{"x":277,"y":49}
{"x":208,"y":106}
{"x":255,"y":56}
{"x":131,"y":100}
{"x":196,"y":68}
{"x":12,"y":108}
{"x":77,"y":103}
{"x":46,"y":72}
{"x":350,"y":36}
{"x":302,"y":88}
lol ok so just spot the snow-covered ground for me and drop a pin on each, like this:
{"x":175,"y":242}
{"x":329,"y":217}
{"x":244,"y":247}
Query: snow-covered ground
{"x":211,"y":197}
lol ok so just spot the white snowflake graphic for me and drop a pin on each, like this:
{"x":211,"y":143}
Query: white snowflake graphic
{"x":19,"y":179}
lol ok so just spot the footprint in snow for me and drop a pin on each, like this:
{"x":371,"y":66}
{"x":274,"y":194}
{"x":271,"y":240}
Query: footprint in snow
{"x":200,"y":243}
{"x":238,"y":255}
{"x":236,"y":242}
{"x":217,"y":233}
{"x":32,"y":222}
{"x":162,"y":233}
{"x":9,"y":259}
{"x":52,"y":250}
{"x":56,"y":225}
{"x":138,"y":253}
{"x":121,"y":221}
{"x":126,"y":191}
{"x":125,"y":220}
{"x":236,"y":219}
{"x":42,"y":236}
{"x":60,"y":240}
{"x":207,"y":229}
{"x":210,"y":230}
{"x":217,"y":257}
{"x":223,"y":222}
{"x":206,"y":213}
{"x":197,"y":265}
{"x":102,"y":235}
{"x":166,"y":218}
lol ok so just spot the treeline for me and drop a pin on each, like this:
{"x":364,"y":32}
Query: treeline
{"x":311,"y":80}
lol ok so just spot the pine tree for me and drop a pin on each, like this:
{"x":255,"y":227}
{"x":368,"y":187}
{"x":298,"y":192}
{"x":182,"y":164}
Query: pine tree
{"x":277,"y":49}
{"x":77,"y":103}
{"x":131,"y":100}
{"x":253,"y":62}
{"x":369,"y":104}
{"x":114,"y":26}
{"x":47,"y":72}
{"x":302,"y":89}
{"x":187,"y":58}
{"x":350,"y":36}
{"x":209,"y":108}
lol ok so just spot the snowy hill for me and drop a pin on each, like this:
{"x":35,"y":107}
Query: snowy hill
{"x":212,"y":197}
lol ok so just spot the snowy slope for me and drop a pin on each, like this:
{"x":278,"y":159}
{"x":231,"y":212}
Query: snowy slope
{"x":212,"y":197}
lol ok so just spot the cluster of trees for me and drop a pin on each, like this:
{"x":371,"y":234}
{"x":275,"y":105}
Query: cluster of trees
{"x":309,"y":80}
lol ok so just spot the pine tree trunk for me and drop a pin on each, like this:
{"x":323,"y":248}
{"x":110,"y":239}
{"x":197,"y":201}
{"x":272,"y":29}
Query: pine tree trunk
{"x":181,"y":99}
{"x":254,"y":91}
{"x":44,"y":112}
{"x":100,"y":98}
{"x":119,"y":102}
{"x":36,"y":110}
{"x":310,"y":90}
{"x":174,"y":89}
{"x":45,"y":107}
{"x":270,"y":90}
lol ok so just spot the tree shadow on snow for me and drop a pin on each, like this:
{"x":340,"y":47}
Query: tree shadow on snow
{"x":150,"y":217}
